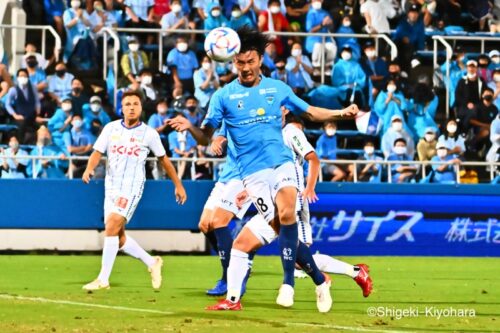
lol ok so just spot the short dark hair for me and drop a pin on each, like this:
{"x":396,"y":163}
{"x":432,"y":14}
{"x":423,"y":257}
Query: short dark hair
{"x":22,"y":70}
{"x":399,"y":140}
{"x":488,"y":89}
{"x":187,"y":98}
{"x":252,"y":39}
{"x":132,"y":93}
{"x":269,"y":2}
{"x":162,"y":100}
{"x":291,"y":118}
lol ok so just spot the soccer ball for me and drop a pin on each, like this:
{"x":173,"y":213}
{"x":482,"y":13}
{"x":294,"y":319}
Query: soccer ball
{"x":221,"y":44}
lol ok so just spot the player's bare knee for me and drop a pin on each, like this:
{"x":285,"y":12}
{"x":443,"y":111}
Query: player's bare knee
{"x":287,"y":214}
{"x":204,"y":226}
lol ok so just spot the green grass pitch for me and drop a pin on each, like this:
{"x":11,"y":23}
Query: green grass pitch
{"x":41,"y":293}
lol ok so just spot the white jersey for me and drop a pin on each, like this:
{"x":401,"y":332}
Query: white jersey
{"x":296,"y":140}
{"x":127,"y":150}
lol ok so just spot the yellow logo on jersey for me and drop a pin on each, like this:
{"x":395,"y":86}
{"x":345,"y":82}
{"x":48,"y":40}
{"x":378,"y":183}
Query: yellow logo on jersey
{"x":261,"y":112}
{"x":115,"y":137}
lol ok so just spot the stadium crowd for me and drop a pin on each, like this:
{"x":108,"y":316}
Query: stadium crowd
{"x":58,"y":108}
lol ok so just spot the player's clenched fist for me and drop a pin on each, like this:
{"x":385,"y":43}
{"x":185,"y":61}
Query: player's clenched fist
{"x":179,"y":123}
{"x":180,"y":195}
{"x":350,"y":111}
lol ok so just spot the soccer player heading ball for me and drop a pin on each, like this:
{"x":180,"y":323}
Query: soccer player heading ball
{"x":127,"y":144}
{"x":250,"y":107}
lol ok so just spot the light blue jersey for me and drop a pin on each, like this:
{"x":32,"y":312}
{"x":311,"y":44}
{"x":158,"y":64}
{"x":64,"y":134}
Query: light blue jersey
{"x":253,"y":119}
{"x":230,"y":170}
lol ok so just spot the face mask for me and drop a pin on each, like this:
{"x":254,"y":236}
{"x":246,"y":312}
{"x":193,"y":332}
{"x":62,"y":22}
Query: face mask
{"x":182,"y":47}
{"x":471,"y":75}
{"x":296,"y":52}
{"x":488,"y":98}
{"x":346,"y":24}
{"x":429,"y":137}
{"x":95,"y":107}
{"x":206,"y":66}
{"x":176,"y":8}
{"x":75,"y":4}
{"x":391,"y":88}
{"x":274,"y":9}
{"x":14,"y":145}
{"x":316,"y":5}
{"x":133,"y":47}
{"x":346,"y":56}
{"x":371,"y":53}
{"x":442,"y":153}
{"x":147,"y":79}
{"x":461,"y":59}
{"x":32,"y":63}
{"x":77,"y":90}
{"x":60,"y":72}
{"x":235,"y":13}
{"x":216,"y":13}
{"x":66,"y":107}
{"x":330,"y":131}
{"x":397,"y":126}
{"x":191,"y":108}
{"x":22,"y":80}
{"x":495,"y":60}
{"x":99,"y":8}
{"x":369,"y":150}
{"x":77,"y":123}
{"x":451,"y":129}
{"x":162,"y":110}
{"x":399,"y":150}
{"x":496,"y":78}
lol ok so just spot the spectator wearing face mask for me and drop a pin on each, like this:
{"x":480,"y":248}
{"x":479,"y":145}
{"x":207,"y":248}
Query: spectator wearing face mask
{"x":326,"y":148}
{"x":468,"y":95}
{"x":390,"y":102}
{"x":37,"y":75}
{"x":12,"y":167}
{"x":299,"y":71}
{"x":45,"y":168}
{"x":158,"y":121}
{"x":182,"y":144}
{"x":349,"y":78}
{"x":452,"y":139}
{"x":374,"y":67}
{"x":215,"y":18}
{"x":132,"y":63}
{"x":345,"y":28}
{"x":494,"y":56}
{"x":494,"y":151}
{"x":280,"y":73}
{"x":60,"y":83}
{"x":444,"y":173}
{"x":410,"y":35}
{"x":93,"y":111}
{"x":191,"y":111}
{"x":401,"y":173}
{"x":369,"y":172}
{"x":319,"y":21}
{"x":397,"y":131}
{"x":78,"y":97}
{"x":173,"y":20}
{"x":78,"y":142}
{"x":140,"y":15}
{"x":61,"y":123}
{"x":23,"y":105}
{"x":148,"y":92}
{"x":426,"y":147}
{"x":485,"y":113}
{"x":206,"y":82}
{"x":273,"y":20}
{"x":238,"y":19}
{"x":182,"y":63}
{"x":399,"y":77}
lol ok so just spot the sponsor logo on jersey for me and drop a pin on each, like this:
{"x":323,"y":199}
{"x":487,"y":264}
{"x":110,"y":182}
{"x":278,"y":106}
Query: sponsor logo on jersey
{"x":240,"y":105}
{"x":261,"y":112}
{"x":268,"y":91}
{"x":115,"y":137}
{"x":270,"y":99}
{"x":124,"y":150}
{"x":121,"y":202}
{"x":237,"y":96}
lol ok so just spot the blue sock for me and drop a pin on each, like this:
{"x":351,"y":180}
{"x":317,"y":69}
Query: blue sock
{"x":224,"y":244}
{"x":288,"y":241}
{"x":306,"y":261}
{"x":212,"y":240}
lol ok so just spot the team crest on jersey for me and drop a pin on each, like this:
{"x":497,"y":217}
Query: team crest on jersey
{"x":240,"y":105}
{"x":270,"y":99}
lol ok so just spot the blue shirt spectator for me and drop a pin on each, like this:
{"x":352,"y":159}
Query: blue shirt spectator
{"x":347,"y":74}
{"x":59,"y":123}
{"x":421,"y":116}
{"x":184,"y":60}
{"x":345,"y":28}
{"x":60,"y":83}
{"x":369,"y":172}
{"x":92,"y":111}
{"x":13,"y":167}
{"x":206,"y":82}
{"x":77,"y":25}
{"x":23,"y":100}
{"x":374,"y":67}
{"x":401,"y":173}
{"x":39,"y":168}
{"x":181,"y":144}
{"x":215,"y":17}
{"x":389,"y":103}
{"x":444,"y":173}
{"x":157,"y":120}
{"x":140,"y":8}
{"x":411,"y":30}
{"x":298,"y":76}
{"x":78,"y":141}
{"x":239,"y":20}
{"x":453,"y":140}
{"x":394,"y":133}
{"x":316,"y":18}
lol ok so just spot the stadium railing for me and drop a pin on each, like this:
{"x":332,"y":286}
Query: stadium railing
{"x":44,"y":29}
{"x":493,"y":168}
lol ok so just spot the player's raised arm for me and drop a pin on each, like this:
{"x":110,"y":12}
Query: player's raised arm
{"x":92,"y":163}
{"x":317,"y":114}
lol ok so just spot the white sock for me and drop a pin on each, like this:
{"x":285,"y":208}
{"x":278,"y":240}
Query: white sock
{"x":238,"y":267}
{"x":328,"y":264}
{"x":135,"y":250}
{"x":109,"y":252}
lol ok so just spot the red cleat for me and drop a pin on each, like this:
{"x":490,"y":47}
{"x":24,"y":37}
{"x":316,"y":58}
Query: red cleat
{"x":225,"y":305}
{"x":364,"y":280}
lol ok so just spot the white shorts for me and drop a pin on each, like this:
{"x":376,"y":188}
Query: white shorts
{"x":265,"y":233}
{"x":123,"y":204}
{"x":262,"y":187}
{"x":223,"y":196}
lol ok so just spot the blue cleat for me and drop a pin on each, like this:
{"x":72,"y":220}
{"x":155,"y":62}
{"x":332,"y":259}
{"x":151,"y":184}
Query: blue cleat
{"x":220,"y":289}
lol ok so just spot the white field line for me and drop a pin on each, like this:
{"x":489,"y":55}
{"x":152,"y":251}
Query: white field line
{"x":90,"y":305}
{"x":124,"y":308}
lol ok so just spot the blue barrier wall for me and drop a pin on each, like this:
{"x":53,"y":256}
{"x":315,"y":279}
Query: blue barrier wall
{"x":349,"y":219}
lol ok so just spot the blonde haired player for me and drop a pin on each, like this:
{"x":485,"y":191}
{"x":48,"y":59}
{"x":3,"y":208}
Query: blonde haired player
{"x":127,"y":144}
